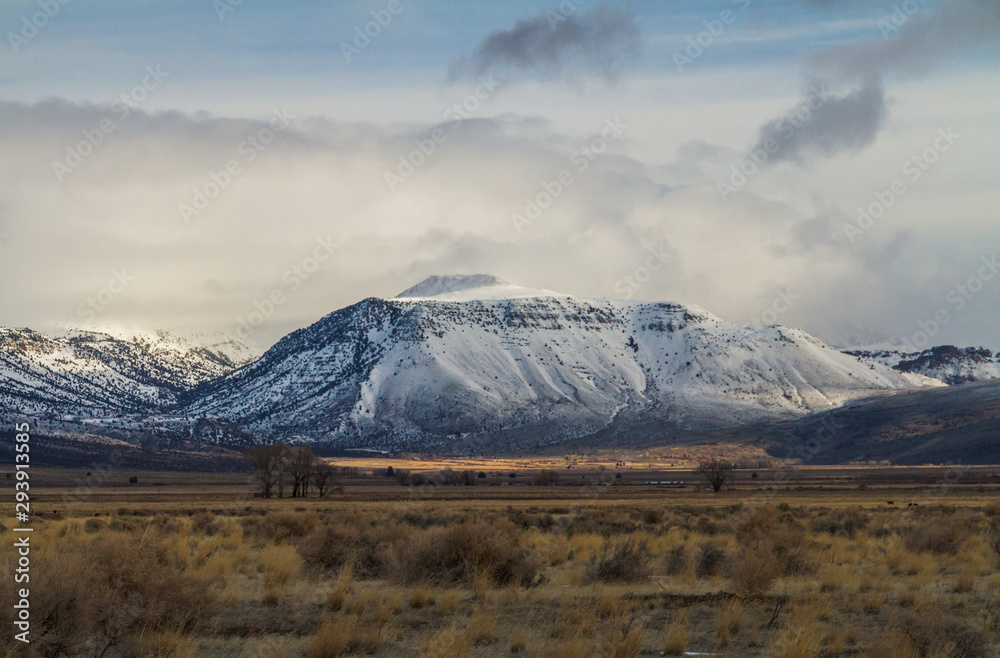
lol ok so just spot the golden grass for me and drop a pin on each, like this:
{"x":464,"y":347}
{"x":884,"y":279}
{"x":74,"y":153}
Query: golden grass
{"x":676,"y":634}
{"x":449,"y":601}
{"x":841,"y":591}
{"x":420,"y":597}
{"x":279,"y":564}
{"x":730,"y":620}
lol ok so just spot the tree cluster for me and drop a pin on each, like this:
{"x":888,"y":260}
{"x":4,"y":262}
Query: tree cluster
{"x":277,"y":466}
{"x":443,"y":478}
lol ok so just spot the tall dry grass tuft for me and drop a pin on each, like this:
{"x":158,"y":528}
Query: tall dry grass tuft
{"x":625,"y":640}
{"x":449,"y":601}
{"x":332,"y":638}
{"x":341,"y":587}
{"x":346,"y":634}
{"x":797,"y":642}
{"x":279,"y":564}
{"x":420,"y":597}
{"x":482,"y":628}
{"x":729,"y":622}
{"x":676,"y":634}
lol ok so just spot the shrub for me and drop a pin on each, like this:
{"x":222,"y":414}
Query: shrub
{"x":91,"y":595}
{"x":167,"y":524}
{"x":677,"y":560}
{"x":847,"y":522}
{"x":282,"y":526}
{"x":994,"y":535}
{"x":752,"y":573}
{"x":653,"y":515}
{"x":711,"y":559}
{"x":459,"y":553}
{"x":766,"y":533}
{"x":942,"y":634}
{"x":626,"y":561}
{"x":205,"y":523}
{"x":369,"y":549}
{"x":939,"y":535}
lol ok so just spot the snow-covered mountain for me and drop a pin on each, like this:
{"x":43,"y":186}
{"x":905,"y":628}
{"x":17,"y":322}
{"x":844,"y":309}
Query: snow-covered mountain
{"x":474,"y":356}
{"x":467,"y":362}
{"x":950,"y":364}
{"x":107,"y":372}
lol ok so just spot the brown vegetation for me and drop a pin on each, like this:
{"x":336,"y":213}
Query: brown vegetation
{"x":532,"y":578}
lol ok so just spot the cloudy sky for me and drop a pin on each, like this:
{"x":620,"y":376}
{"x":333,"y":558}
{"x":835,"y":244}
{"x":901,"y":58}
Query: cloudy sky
{"x":210,"y":165}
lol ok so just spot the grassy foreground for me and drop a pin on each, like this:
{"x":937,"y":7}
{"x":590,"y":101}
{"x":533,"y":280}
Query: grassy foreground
{"x":614,"y":568}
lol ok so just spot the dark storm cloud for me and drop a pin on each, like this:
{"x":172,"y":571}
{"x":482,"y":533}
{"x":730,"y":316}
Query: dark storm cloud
{"x":826,"y":125}
{"x":559,"y":42}
{"x":914,"y":37}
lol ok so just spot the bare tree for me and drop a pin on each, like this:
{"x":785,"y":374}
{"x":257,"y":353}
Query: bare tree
{"x":324,"y":475}
{"x":298,"y":465}
{"x":715,"y":471}
{"x":265,"y":460}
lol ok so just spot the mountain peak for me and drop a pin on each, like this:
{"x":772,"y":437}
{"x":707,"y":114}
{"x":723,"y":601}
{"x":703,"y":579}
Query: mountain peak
{"x":442,"y":284}
{"x":465,"y":287}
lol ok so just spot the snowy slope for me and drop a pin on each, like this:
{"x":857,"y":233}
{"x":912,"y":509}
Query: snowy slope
{"x":475,"y":356}
{"x":95,"y":373}
{"x":947,"y":363}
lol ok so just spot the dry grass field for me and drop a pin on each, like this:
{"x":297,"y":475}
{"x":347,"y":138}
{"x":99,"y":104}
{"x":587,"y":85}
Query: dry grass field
{"x":846,"y":561}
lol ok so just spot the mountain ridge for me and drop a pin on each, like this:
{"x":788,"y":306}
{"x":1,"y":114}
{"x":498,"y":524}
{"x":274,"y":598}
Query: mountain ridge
{"x":468,"y":360}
